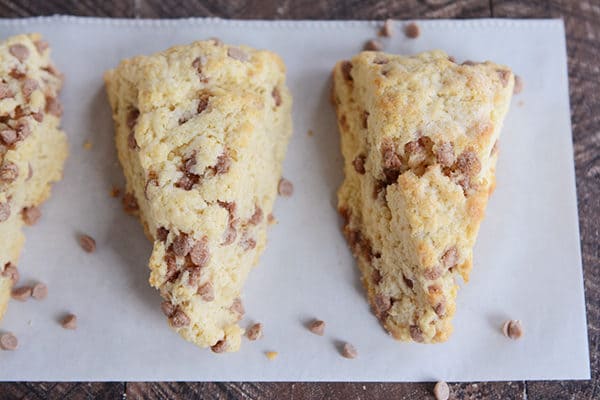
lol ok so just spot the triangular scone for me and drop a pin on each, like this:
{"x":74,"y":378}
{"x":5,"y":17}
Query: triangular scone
{"x":419,"y":138}
{"x":201,"y":132}
{"x":32,"y":146}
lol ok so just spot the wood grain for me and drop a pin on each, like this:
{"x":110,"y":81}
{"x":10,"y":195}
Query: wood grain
{"x":582,"y":21}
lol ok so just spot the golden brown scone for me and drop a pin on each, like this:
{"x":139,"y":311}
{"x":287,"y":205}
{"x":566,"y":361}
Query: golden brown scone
{"x":201,"y":132}
{"x":32,"y":146}
{"x":419,"y":138}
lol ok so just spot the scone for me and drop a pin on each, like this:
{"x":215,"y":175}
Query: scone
{"x":419,"y":139}
{"x":32,"y":146}
{"x":201,"y":132}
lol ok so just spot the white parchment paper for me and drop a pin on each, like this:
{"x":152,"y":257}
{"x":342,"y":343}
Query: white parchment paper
{"x":527,"y":259}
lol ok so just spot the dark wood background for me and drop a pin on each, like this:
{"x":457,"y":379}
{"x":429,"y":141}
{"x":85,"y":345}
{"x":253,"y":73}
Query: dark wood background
{"x":582,"y":19}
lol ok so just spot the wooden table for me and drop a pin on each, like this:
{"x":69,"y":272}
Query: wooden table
{"x":582,"y":19}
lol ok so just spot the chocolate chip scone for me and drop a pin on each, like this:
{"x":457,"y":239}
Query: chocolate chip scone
{"x":201,"y":132}
{"x":419,"y":138}
{"x":32,"y":146}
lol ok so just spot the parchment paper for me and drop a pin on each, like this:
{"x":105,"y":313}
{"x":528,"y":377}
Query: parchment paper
{"x":527,"y":259}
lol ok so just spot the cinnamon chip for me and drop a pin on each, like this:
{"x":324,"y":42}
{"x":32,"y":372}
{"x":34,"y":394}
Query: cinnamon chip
{"x":238,"y":54}
{"x":9,"y":172}
{"x":346,"y":70}
{"x":285,"y":188}
{"x":181,"y":245}
{"x":179,"y":319}
{"x":349,"y":351}
{"x":373,"y":45}
{"x":416,"y":334}
{"x":11,"y":272}
{"x":39,"y":291}
{"x":162,"y":233}
{"x":199,"y":254}
{"x":255,"y":332}
{"x":317,"y":327}
{"x":69,"y":322}
{"x":53,"y":106}
{"x":513,"y":329}
{"x":8,"y":137}
{"x":450,"y":257}
{"x":257,"y":217}
{"x":29,"y":86}
{"x":359,"y":164}
{"x":19,"y":51}
{"x":468,"y":163}
{"x":441,"y":391}
{"x":237,"y":307}
{"x":167,"y":308}
{"x":412,"y":30}
{"x":87,"y":243}
{"x":8,"y":341}
{"x":276,"y":96}
{"x":31,"y":215}
{"x":130,"y":204}
{"x":21,"y":294}
{"x":219,"y":347}
{"x":206,"y":292}
{"x":5,"y":91}
{"x":223,"y":163}
{"x":203,"y":102}
{"x":4,"y":211}
{"x":41,"y":45}
{"x":445,"y":154}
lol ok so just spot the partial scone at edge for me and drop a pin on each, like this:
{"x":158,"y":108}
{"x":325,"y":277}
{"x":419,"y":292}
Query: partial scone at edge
{"x":32,"y":146}
{"x":201,"y":132}
{"x":419,"y":138}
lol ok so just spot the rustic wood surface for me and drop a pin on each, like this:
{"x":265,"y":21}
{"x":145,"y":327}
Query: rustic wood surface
{"x":582,"y":19}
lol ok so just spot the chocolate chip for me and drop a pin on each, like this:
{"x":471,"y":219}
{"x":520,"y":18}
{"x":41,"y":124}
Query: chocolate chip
{"x":441,"y":391}
{"x":255,"y":332}
{"x":238,"y":54}
{"x":416,"y":334}
{"x":31,"y":215}
{"x":373,"y":45}
{"x":130,"y":204}
{"x":387,"y":30}
{"x":359,"y":163}
{"x":349,"y":351}
{"x":219,"y":347}
{"x":9,"y":172}
{"x":21,"y":294}
{"x":317,"y":327}
{"x":276,"y":96}
{"x":69,"y":322}
{"x":8,"y":341}
{"x":39,"y":291}
{"x":285,"y":188}
{"x":346,"y":68}
{"x":53,"y":106}
{"x":206,"y":292}
{"x":199,"y":253}
{"x":179,"y":319}
{"x":412,"y":30}
{"x":513,"y":329}
{"x":87,"y":243}
{"x":181,"y":245}
{"x":41,"y":45}
{"x":162,"y":233}
{"x":4,"y":211}
{"x":19,"y":51}
{"x":167,"y":308}
{"x":257,"y":217}
{"x":8,"y":137}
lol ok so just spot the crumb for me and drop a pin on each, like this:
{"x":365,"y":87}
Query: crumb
{"x":271,"y":355}
{"x":521,"y":103}
{"x":441,"y":391}
{"x":8,"y":341}
{"x":69,"y":322}
{"x":373,"y":45}
{"x":115,"y":192}
{"x":271,"y":219}
{"x":21,"y":294}
{"x":39,"y":291}
{"x":317,"y":327}
{"x":513,"y":329}
{"x":87,"y":243}
{"x":518,"y":85}
{"x":285,"y":187}
{"x":31,"y":215}
{"x":387,"y":30}
{"x":255,"y":332}
{"x":310,"y":132}
{"x":412,"y":30}
{"x":349,"y":351}
{"x":87,"y":145}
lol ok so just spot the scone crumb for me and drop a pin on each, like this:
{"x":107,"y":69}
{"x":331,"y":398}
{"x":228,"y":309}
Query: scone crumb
{"x":31,"y":215}
{"x":87,"y":145}
{"x":518,"y":85}
{"x":317,"y":327}
{"x":441,"y":391}
{"x":69,"y":322}
{"x":349,"y":351}
{"x":21,"y":294}
{"x":412,"y":30}
{"x":387,"y":30}
{"x":8,"y":341}
{"x":130,"y":204}
{"x":513,"y":329}
{"x":271,"y":355}
{"x":39,"y":291}
{"x":285,"y":187}
{"x":373,"y":45}
{"x":255,"y":332}
{"x":87,"y":243}
{"x":271,"y":219}
{"x":310,"y":132}
{"x":115,"y":192}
